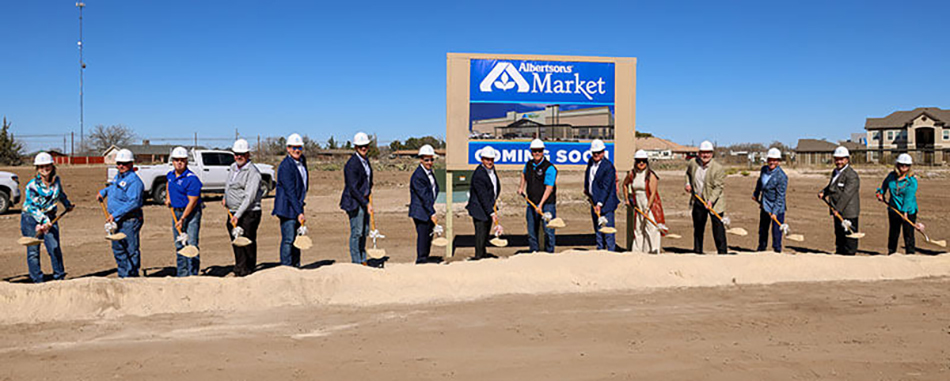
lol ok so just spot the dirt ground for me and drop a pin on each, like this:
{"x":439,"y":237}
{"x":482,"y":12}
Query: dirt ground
{"x":888,"y":330}
{"x":86,"y":253}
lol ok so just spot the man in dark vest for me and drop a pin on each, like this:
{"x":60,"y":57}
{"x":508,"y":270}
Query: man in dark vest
{"x":539,"y":178}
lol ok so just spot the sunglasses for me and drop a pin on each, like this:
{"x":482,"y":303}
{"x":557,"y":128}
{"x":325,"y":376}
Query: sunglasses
{"x":429,"y":160}
{"x":124,"y":163}
{"x":537,"y":151}
{"x":296,"y":148}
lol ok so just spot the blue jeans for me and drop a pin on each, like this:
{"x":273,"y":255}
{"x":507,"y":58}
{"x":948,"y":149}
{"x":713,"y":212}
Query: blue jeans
{"x":191,"y":226}
{"x":126,"y":251}
{"x":533,"y":220}
{"x":289,"y":255}
{"x":604,"y":241}
{"x":51,"y":240}
{"x":359,"y":230}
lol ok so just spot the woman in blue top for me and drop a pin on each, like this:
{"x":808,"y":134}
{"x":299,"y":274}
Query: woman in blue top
{"x":902,"y":185}
{"x":39,"y":209}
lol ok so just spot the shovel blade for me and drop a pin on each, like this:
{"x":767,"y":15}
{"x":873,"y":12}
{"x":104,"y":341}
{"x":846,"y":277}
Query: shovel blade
{"x":856,"y":235}
{"x":441,"y":242}
{"x":556,"y":223}
{"x":941,"y":243}
{"x":608,"y":230}
{"x":303,"y":242}
{"x":115,"y":237}
{"x":738,"y":231}
{"x":241,"y":241}
{"x":376,"y":253}
{"x":796,"y":237}
{"x":499,"y":242}
{"x":673,"y":236}
{"x":29,"y":241}
{"x":189,"y":251}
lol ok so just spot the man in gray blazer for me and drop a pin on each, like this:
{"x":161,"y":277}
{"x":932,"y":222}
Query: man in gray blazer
{"x":842,"y":193}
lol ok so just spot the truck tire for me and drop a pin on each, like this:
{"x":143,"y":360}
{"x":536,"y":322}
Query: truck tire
{"x":159,"y":193}
{"x":267,"y":184}
{"x":4,"y":202}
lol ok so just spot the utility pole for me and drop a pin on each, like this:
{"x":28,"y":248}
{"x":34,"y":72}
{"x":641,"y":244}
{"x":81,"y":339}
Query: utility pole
{"x":82,"y":68}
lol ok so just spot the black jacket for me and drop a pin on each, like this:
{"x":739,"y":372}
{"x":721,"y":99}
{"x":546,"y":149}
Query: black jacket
{"x":481,"y":198}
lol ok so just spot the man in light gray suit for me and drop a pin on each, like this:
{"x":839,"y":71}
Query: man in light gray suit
{"x":842,"y":193}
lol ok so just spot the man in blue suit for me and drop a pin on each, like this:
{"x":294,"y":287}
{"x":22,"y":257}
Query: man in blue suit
{"x":600,"y":185}
{"x":770,"y":194}
{"x":292,"y":185}
{"x":423,"y":190}
{"x":481,"y":199}
{"x":358,"y":185}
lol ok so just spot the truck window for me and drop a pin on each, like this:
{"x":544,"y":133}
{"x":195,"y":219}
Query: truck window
{"x":217,"y":159}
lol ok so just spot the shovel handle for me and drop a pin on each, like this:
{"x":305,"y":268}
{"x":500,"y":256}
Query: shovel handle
{"x":774,"y":218}
{"x":536,"y":208}
{"x":372,"y":217}
{"x":698,"y":197}
{"x":637,"y":208}
{"x":105,"y":212}
{"x":175,"y":218}
{"x":230,"y":216}
{"x":591,"y":202}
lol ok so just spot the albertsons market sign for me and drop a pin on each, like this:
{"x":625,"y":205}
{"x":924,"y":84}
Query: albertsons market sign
{"x":514,"y":81}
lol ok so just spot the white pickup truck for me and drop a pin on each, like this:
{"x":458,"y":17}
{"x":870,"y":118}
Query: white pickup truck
{"x":9,"y":191}
{"x":212,"y":167}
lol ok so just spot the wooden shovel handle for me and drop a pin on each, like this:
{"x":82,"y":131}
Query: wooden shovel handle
{"x":637,"y":208}
{"x":903,"y":217}
{"x":774,"y":218}
{"x":105,"y":212}
{"x":591,"y":202}
{"x":372,"y":217}
{"x":175,"y":218}
{"x":536,"y":208}
{"x":698,"y":197}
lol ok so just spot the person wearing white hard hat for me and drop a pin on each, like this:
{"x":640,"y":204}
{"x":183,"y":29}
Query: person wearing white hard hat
{"x":42,"y":193}
{"x":641,"y":191}
{"x":539,"y":184}
{"x":482,"y":197}
{"x":243,"y":192}
{"x":600,"y":187}
{"x":423,"y":190}
{"x":293,"y":181}
{"x":355,"y":200}
{"x":770,"y":194}
{"x":706,"y":178}
{"x":183,"y":196}
{"x":125,"y":198}
{"x":901,"y":183}
{"x":842,"y":193}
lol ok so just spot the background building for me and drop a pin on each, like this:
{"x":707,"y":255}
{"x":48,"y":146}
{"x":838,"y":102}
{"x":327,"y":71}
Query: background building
{"x":922,"y":132}
{"x":551,"y":123}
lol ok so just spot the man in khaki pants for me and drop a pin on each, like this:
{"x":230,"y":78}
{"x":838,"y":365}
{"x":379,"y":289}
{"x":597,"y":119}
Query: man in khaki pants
{"x":707,"y":178}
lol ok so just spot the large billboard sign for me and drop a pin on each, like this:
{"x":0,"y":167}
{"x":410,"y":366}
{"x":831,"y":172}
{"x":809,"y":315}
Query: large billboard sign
{"x":505,"y":101}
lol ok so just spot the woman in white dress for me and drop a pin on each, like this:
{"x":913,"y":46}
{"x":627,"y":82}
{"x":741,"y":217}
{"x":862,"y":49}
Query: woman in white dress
{"x":640,"y":189}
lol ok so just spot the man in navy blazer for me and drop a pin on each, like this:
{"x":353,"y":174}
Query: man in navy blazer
{"x":292,"y":185}
{"x":423,"y":190}
{"x":770,"y":194}
{"x":600,"y":185}
{"x":358,"y":185}
{"x":481,"y":199}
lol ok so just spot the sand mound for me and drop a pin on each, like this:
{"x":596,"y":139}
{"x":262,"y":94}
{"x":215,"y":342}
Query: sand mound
{"x":346,"y":284}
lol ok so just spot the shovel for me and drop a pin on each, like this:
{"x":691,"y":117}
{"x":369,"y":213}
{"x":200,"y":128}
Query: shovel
{"x":601,"y":221}
{"x":239,"y":239}
{"x":663,"y":229}
{"x":725,"y":221}
{"x":920,"y":228}
{"x":785,"y":230}
{"x":112,"y":236}
{"x":497,"y":241}
{"x":549,"y":221}
{"x":189,"y":251}
{"x":302,"y":242}
{"x":374,"y":253}
{"x":33,"y":241}
{"x":439,"y":241}
{"x":851,"y":233}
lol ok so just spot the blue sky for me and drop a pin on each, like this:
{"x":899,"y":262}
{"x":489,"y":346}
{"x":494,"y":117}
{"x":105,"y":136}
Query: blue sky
{"x":725,"y":71}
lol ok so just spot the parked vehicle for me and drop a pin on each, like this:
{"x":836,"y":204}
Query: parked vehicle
{"x":9,"y":191}
{"x":211,"y":166}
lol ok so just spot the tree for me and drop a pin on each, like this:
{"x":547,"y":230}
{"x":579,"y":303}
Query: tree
{"x":103,"y":137}
{"x":416,"y":143}
{"x":332,"y":143}
{"x":644,"y":134}
{"x":348,"y":145}
{"x":10,"y":149}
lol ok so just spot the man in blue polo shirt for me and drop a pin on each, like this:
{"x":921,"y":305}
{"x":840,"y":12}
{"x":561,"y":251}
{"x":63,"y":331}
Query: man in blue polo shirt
{"x":183,"y":195}
{"x":539,"y":180}
{"x":124,"y":203}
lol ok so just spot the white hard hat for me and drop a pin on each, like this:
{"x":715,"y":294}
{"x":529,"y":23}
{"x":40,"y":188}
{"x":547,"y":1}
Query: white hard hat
{"x":487,"y":153}
{"x":706,"y":146}
{"x":124,"y":156}
{"x":901,"y":159}
{"x":774,"y":153}
{"x":360,"y":139}
{"x":537,"y":144}
{"x":43,"y":158}
{"x":841,"y":151}
{"x":294,"y":140}
{"x":597,"y":145}
{"x":640,"y":155}
{"x":427,"y":150}
{"x":179,"y":153}
{"x":240,"y":146}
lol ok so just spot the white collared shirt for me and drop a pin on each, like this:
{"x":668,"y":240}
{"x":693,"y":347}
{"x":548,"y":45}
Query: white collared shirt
{"x":431,"y":177}
{"x":837,"y":173}
{"x":494,"y":181}
{"x":593,"y":172}
{"x":302,"y":170}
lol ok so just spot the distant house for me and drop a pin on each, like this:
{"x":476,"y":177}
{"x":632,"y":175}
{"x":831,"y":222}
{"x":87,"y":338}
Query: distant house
{"x":814,"y":152}
{"x":662,"y":149}
{"x":330,"y":154}
{"x":58,"y":157}
{"x":923,"y":131}
{"x":145,"y":153}
{"x":413,"y":152}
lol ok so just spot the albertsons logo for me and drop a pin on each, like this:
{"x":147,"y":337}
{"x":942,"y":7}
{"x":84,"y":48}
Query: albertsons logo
{"x":505,"y":76}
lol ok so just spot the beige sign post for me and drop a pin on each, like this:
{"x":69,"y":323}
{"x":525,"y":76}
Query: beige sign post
{"x":459,"y":87}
